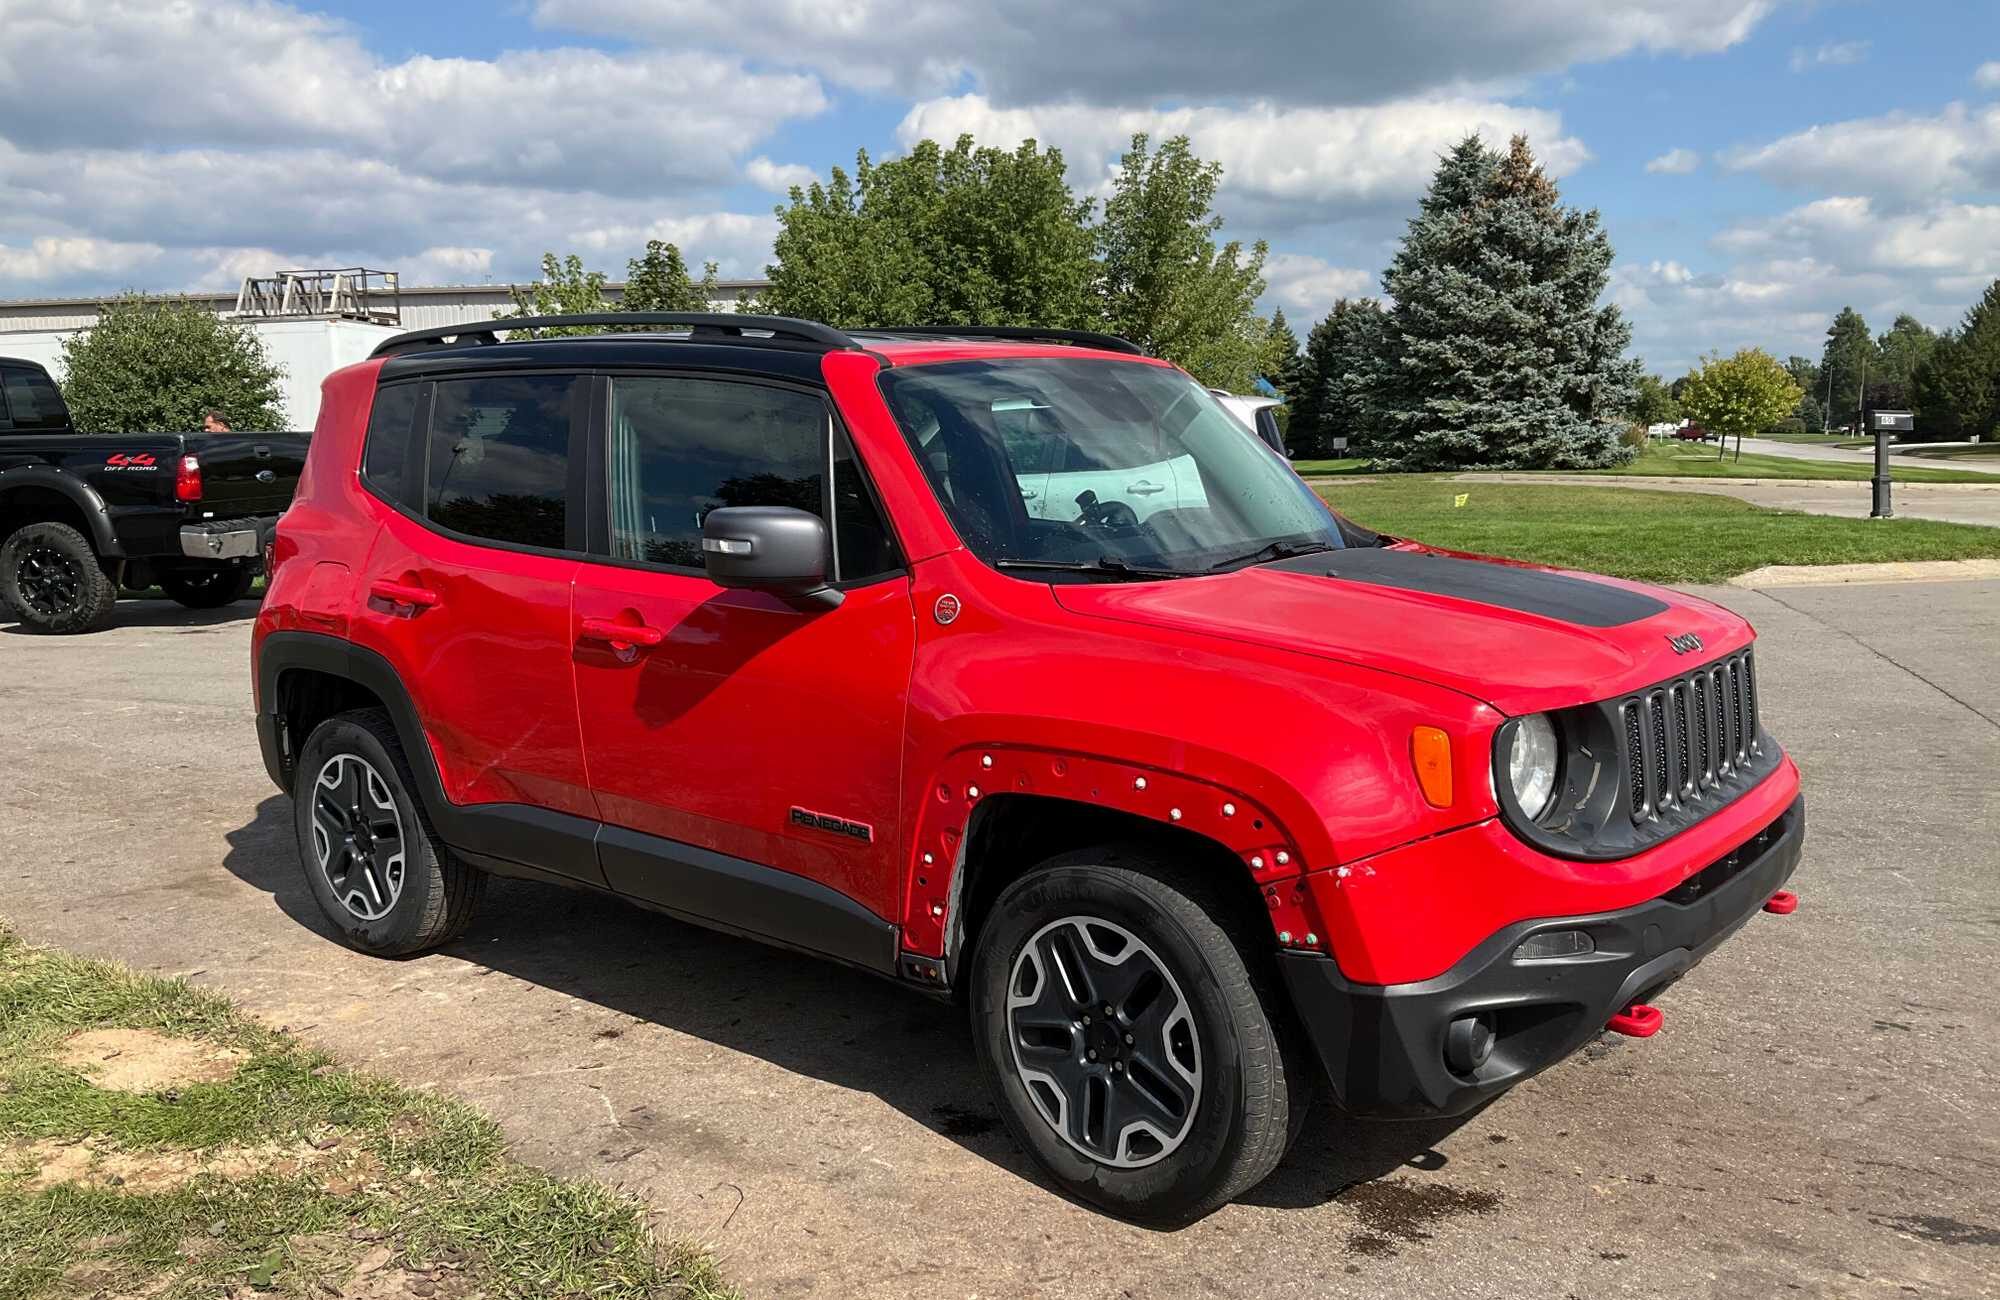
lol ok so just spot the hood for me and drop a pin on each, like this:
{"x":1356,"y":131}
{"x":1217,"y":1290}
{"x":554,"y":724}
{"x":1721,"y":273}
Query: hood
{"x":1520,"y":637}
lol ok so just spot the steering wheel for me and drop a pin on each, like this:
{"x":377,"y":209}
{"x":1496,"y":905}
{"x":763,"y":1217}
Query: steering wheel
{"x":1105,"y":514}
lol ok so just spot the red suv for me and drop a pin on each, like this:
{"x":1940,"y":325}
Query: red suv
{"x":1006,"y":664}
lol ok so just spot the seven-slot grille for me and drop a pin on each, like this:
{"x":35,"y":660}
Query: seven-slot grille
{"x":1688,"y":735}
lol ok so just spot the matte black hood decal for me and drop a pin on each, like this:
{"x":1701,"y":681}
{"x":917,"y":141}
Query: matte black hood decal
{"x":1531,"y":591}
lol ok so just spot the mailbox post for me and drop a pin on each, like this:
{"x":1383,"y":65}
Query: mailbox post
{"x":1886,"y":423}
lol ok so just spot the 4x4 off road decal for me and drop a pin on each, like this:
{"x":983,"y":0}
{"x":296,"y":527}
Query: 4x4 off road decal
{"x":143,"y":460}
{"x":834,"y":825}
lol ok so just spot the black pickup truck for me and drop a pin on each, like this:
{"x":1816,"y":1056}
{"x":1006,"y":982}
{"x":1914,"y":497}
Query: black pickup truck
{"x":83,"y":514}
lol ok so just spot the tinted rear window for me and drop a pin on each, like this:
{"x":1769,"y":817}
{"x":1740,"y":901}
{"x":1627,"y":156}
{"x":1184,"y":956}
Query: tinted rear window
{"x":499,"y":458}
{"x":386,"y":460}
{"x":32,"y":400}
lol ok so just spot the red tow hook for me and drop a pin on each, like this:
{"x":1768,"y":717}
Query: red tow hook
{"x":1782,"y":903}
{"x":1636,"y":1021}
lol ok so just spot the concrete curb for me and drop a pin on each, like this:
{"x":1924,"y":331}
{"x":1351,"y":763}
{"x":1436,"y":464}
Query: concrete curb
{"x":1826,"y":575}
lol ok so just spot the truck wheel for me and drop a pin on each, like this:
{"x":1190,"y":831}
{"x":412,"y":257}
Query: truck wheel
{"x":375,"y":864}
{"x":208,"y":588}
{"x":1138,"y":1048}
{"x":51,"y":580}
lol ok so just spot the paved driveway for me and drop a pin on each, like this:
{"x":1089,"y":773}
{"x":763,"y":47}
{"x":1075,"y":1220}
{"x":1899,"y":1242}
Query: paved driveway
{"x":1818,"y":1115}
{"x":1858,"y":456}
{"x":1952,"y":503}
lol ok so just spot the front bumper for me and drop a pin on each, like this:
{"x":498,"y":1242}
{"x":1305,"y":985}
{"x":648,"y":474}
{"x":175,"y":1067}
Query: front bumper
{"x":1383,"y":1045}
{"x":223,"y":539}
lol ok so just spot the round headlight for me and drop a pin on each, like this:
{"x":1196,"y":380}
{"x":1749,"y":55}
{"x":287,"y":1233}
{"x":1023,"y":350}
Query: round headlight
{"x":1531,"y":764}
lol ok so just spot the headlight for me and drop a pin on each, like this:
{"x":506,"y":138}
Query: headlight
{"x":1532,"y":757}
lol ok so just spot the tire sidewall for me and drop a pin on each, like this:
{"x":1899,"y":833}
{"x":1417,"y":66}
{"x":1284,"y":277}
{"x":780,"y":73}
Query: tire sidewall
{"x":1166,"y":1190}
{"x":94,"y":590}
{"x":395,"y":932}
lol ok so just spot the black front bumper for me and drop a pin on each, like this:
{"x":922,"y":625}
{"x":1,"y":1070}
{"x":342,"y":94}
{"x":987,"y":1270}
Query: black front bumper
{"x":1383,"y":1045}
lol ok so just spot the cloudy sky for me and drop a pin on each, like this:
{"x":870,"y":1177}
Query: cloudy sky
{"x":1758,"y":162}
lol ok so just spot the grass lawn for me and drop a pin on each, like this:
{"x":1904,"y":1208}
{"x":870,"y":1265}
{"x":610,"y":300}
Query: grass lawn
{"x":1696,"y":460}
{"x":1653,"y":536}
{"x":154,"y":1141}
{"x":1351,"y":465}
{"x":1821,"y":440}
{"x":1981,"y":452}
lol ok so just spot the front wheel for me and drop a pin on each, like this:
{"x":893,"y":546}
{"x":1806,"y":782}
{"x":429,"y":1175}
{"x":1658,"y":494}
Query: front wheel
{"x":210,"y":587}
{"x":1138,"y":1049}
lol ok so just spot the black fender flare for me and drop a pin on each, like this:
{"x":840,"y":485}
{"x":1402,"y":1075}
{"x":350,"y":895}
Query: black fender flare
{"x":80,"y":494}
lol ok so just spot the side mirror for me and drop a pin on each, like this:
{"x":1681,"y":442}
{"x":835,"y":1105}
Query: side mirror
{"x":768,"y":548}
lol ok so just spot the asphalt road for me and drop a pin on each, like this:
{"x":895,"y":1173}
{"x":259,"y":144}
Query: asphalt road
{"x":1817,"y":1117}
{"x":1857,"y":456}
{"x":1951,"y":503}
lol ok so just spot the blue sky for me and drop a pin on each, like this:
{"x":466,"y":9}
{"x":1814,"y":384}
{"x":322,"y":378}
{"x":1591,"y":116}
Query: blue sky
{"x":1759,"y":163}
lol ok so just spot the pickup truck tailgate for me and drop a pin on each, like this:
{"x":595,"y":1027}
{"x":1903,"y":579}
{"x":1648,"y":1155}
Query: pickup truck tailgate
{"x":247,"y":473}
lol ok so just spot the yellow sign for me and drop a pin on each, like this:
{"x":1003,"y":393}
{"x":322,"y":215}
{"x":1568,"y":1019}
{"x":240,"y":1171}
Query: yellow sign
{"x":1460,"y":499}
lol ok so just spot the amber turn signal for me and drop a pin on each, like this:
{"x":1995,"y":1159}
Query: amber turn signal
{"x":1430,"y":754}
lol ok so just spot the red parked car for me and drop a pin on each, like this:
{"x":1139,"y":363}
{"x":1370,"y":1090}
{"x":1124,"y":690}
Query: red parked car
{"x":1002,"y":664}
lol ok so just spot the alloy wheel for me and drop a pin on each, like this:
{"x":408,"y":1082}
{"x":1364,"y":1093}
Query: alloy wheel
{"x":358,"y":836}
{"x":1104,"y":1041}
{"x":49,"y":581}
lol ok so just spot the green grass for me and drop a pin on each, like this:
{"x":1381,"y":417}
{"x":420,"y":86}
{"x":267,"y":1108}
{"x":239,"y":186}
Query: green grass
{"x":1693,"y":460}
{"x":1348,"y":465}
{"x":1641,"y":534}
{"x":419,"y":1181}
{"x":1981,"y":451}
{"x":1821,"y":440}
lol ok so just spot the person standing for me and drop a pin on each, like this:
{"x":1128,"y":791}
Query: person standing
{"x":212,"y":421}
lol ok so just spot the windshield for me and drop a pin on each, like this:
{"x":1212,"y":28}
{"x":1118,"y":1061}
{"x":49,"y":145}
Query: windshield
{"x":1106,"y":467}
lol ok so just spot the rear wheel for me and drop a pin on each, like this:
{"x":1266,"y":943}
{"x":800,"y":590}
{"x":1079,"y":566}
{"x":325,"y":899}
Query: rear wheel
{"x":375,"y":864}
{"x":1136,"y":1045}
{"x":51,"y":580}
{"x":209,"y":587}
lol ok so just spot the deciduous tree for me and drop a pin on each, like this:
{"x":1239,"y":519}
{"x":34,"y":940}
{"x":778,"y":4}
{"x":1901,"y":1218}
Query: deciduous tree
{"x":1740,"y":395}
{"x":156,"y":364}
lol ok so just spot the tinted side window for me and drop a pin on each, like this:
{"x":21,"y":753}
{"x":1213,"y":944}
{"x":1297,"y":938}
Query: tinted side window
{"x":682,"y":447}
{"x":499,"y":457}
{"x":385,"y":461}
{"x":32,"y":400}
{"x":864,"y":547}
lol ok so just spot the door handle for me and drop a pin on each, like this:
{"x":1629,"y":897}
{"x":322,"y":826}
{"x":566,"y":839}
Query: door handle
{"x":404,"y":598}
{"x":621,"y":636}
{"x":267,"y":476}
{"x":1142,"y":488}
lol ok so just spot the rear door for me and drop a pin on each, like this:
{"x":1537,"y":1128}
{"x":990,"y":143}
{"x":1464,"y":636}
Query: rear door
{"x":467,"y":593}
{"x":732,"y":721}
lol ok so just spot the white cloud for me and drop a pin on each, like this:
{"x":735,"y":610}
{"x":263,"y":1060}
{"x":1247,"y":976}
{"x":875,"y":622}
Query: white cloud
{"x":777,"y":177}
{"x":1675,"y":162}
{"x":1297,"y":166}
{"x":1988,"y":76}
{"x":1956,"y":150}
{"x":1307,"y":286}
{"x":1838,"y":54}
{"x":1128,"y":51}
{"x":60,"y":257}
{"x":239,"y":74}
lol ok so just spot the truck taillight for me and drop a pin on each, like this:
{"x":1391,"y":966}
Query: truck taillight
{"x":187,"y":480}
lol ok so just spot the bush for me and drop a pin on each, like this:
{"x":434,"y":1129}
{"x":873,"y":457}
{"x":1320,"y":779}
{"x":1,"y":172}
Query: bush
{"x":1634,"y":436}
{"x":156,"y":364}
{"x":1790,"y":424}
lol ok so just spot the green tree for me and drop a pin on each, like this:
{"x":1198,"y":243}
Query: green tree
{"x":565,"y":289}
{"x":1166,"y":285}
{"x":1332,"y":378}
{"x":1899,"y":351}
{"x":155,"y":364}
{"x":1956,"y":389}
{"x":1652,"y":403}
{"x":1743,"y":394}
{"x":659,"y":281}
{"x":1498,"y":352}
{"x":965,"y":236}
{"x":1281,"y":351}
{"x":1849,"y":351}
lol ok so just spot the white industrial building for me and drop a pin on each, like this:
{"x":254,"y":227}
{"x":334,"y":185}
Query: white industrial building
{"x":310,"y":322}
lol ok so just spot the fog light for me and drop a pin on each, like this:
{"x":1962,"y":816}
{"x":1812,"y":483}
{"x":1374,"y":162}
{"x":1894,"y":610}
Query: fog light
{"x":1468,"y":1041}
{"x":1554,"y":945}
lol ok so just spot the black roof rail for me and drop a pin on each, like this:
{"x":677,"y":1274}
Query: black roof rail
{"x":728,"y":326}
{"x":1014,"y":334}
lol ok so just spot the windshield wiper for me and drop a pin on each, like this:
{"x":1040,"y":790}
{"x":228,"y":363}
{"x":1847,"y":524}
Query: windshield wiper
{"x":1109,"y":565}
{"x":1275,"y":551}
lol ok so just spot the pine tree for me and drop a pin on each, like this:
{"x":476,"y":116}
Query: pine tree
{"x":1850,"y":349}
{"x":1497,"y":352}
{"x":1281,"y":351}
{"x":1956,"y":389}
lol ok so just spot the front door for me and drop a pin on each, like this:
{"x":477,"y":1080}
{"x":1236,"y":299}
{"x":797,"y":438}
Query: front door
{"x":767,"y":733}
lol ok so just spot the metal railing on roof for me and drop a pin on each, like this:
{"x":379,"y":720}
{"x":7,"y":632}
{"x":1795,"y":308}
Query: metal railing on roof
{"x":340,"y":293}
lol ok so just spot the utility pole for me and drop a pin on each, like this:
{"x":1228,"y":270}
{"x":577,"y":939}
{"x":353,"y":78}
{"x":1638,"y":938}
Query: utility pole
{"x":1861,"y":398}
{"x":1826,"y":407}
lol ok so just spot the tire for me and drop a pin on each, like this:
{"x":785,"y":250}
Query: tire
{"x":50,"y":579}
{"x":209,"y":588}
{"x":1228,"y":1085}
{"x":384,"y":879}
